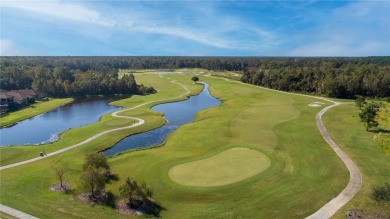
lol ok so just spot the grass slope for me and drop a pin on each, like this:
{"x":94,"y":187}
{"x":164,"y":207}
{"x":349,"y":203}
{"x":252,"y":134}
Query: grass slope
{"x":230,"y":166}
{"x":304,"y":173}
{"x":345,"y":128}
{"x":34,"y":109}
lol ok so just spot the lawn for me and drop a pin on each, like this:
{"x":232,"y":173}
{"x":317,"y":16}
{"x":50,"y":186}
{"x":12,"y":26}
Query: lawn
{"x":32,"y":110}
{"x":303,"y":175}
{"x":344,"y":127}
{"x":230,"y":166}
{"x":166,"y":89}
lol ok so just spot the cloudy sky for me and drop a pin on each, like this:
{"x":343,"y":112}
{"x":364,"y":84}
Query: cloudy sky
{"x":195,"y":27}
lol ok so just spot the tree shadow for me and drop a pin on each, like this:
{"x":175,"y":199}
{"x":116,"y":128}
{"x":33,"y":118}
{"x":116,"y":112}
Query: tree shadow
{"x":152,"y":208}
{"x":380,"y":130}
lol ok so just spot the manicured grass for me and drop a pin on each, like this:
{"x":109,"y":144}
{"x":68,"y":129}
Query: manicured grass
{"x":345,"y":128}
{"x":230,"y":166}
{"x":166,"y":89}
{"x":304,"y":173}
{"x":34,"y":109}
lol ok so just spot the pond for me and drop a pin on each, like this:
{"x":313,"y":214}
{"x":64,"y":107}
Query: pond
{"x":176,"y":114}
{"x":46,"y":127}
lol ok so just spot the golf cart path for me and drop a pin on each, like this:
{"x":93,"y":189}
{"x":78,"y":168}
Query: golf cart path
{"x":355,"y":178}
{"x":114,"y":114}
{"x":19,"y":214}
{"x":326,"y":211}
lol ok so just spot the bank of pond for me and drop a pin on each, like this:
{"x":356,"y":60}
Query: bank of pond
{"x":46,"y":127}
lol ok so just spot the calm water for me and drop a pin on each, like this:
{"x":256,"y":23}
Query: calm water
{"x":176,"y":113}
{"x":45,"y":128}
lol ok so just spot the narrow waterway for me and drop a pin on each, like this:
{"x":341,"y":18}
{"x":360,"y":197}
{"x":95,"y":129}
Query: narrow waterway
{"x":176,"y":114}
{"x":46,"y":127}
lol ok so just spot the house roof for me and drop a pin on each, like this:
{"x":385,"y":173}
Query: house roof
{"x":17,"y":96}
{"x":4,"y":94}
{"x":26,"y":92}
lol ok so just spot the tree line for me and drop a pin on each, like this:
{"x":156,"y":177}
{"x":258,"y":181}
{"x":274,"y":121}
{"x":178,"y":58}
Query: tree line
{"x":66,"y":80}
{"x":342,"y":77}
{"x":333,"y":79}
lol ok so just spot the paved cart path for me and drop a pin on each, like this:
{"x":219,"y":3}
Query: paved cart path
{"x":114,"y":114}
{"x":355,"y":178}
{"x":326,"y":211}
{"x":139,"y":122}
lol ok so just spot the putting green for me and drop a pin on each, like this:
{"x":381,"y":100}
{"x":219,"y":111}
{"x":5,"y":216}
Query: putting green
{"x":227,"y":167}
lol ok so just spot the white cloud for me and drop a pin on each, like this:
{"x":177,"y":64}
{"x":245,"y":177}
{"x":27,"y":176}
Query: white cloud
{"x":9,"y":48}
{"x":52,"y":8}
{"x":206,"y":27}
{"x":358,"y":29}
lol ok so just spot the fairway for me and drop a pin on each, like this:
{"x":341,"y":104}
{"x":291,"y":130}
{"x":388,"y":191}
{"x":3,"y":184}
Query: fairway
{"x":227,"y":167}
{"x":290,"y":181}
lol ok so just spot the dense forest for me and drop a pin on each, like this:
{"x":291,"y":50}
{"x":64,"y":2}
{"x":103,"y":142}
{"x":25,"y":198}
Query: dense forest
{"x":66,"y":79}
{"x":333,"y":76}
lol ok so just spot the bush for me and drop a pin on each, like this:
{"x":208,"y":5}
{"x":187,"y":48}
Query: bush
{"x":381,"y":193}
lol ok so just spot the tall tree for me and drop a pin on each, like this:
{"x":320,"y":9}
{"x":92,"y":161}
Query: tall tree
{"x":93,"y":181}
{"x":368,"y":114}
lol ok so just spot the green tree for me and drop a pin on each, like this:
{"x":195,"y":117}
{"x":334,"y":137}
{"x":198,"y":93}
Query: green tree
{"x":195,"y":79}
{"x":93,"y":181}
{"x":368,"y":114}
{"x":60,"y":172}
{"x":96,"y":160}
{"x":135,"y":194}
{"x":360,"y":101}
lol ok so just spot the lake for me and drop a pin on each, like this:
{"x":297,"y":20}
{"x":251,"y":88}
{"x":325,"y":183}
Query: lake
{"x":46,"y":127}
{"x":176,"y":114}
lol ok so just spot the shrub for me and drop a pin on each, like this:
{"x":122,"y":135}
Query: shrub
{"x":381,"y":193}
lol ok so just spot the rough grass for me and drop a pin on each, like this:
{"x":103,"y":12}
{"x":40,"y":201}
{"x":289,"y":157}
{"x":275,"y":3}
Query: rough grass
{"x":383,"y":138}
{"x":304,"y":173}
{"x":32,"y":110}
{"x":345,"y":128}
{"x":227,"y":167}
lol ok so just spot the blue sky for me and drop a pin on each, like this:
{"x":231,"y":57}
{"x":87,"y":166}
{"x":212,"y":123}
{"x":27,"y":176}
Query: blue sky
{"x":195,"y":28}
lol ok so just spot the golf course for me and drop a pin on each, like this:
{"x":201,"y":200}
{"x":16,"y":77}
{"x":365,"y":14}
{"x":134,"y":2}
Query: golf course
{"x":259,"y":154}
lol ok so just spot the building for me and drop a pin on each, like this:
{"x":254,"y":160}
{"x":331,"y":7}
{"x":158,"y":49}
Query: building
{"x":17,"y":98}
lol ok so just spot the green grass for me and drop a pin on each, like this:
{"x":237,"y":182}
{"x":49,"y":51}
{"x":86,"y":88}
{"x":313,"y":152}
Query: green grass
{"x":304,"y":173}
{"x":153,"y":119}
{"x":345,"y":128}
{"x":6,"y":216}
{"x":230,"y":166}
{"x":32,"y":110}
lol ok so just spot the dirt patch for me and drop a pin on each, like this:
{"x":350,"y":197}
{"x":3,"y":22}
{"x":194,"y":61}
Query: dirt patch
{"x":103,"y":198}
{"x":361,"y":214}
{"x":58,"y":188}
{"x":123,"y":208}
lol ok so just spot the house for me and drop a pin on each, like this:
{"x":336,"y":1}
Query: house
{"x":17,"y":98}
{"x":5,"y":100}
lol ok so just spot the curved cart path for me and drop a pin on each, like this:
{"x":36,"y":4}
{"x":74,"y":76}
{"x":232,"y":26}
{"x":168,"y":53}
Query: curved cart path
{"x":140,"y":121}
{"x":115,"y":114}
{"x":355,"y":178}
{"x":326,"y":211}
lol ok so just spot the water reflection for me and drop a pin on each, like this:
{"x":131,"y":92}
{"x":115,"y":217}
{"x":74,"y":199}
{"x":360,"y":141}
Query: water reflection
{"x":45,"y":128}
{"x":176,"y":113}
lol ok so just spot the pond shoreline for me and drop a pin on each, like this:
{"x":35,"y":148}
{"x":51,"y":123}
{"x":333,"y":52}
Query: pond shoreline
{"x":175,"y":114}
